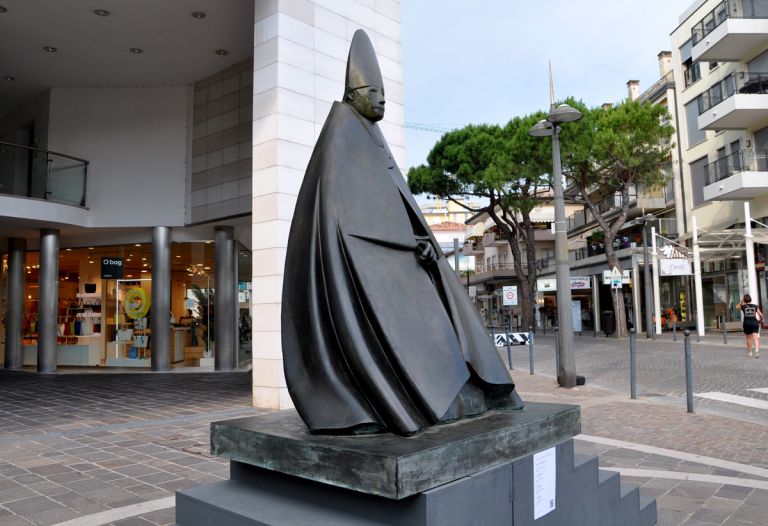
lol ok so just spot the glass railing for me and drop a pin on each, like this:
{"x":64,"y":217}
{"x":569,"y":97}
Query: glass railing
{"x":746,"y":83}
{"x":725,"y":10}
{"x":41,"y":174}
{"x":746,"y":160}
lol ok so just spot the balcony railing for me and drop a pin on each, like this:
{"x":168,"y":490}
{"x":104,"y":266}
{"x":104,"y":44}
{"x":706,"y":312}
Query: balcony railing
{"x":725,"y":10}
{"x":41,"y":174}
{"x":748,"y":83}
{"x":736,"y":162}
{"x":585,"y":217}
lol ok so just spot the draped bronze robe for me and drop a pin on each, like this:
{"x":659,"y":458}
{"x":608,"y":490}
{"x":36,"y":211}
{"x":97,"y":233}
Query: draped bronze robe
{"x":373,"y":339}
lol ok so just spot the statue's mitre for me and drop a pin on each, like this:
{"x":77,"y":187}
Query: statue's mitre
{"x":362,"y":65}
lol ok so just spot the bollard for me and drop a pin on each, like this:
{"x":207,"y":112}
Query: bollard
{"x":674,"y":331}
{"x":557,"y":353}
{"x":509,"y":345}
{"x":725,"y":330}
{"x":530,"y":348}
{"x":688,"y":371}
{"x":632,"y":364}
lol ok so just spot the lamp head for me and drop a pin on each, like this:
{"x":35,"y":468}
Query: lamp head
{"x":564,"y":113}
{"x":542,"y":128}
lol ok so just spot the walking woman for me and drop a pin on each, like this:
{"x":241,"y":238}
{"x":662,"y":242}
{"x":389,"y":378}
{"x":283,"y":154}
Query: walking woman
{"x":752,"y":318}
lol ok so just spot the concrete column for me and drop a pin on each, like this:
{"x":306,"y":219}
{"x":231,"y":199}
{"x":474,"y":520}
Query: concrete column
{"x":161,"y":298}
{"x":656,"y":292}
{"x":17,"y":249}
{"x":749,"y":246}
{"x":596,"y":282}
{"x":699,"y":289}
{"x":225,"y":357}
{"x":48,"y":304}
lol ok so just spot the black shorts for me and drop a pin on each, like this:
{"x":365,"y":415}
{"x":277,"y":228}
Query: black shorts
{"x":751,"y":327}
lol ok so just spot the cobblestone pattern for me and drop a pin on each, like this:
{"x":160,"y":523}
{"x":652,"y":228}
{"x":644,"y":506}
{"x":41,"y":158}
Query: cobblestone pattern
{"x":73,"y":445}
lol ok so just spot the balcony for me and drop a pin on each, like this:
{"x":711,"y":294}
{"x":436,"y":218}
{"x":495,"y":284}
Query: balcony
{"x":584,"y":218}
{"x":493,"y":240}
{"x":741,"y":175}
{"x":732,"y":31}
{"x":41,"y":174}
{"x":738,"y":102}
{"x":472,"y":248}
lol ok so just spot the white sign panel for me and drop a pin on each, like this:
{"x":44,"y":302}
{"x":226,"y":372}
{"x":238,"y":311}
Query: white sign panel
{"x":577,"y":283}
{"x":581,"y":282}
{"x":606,"y":277}
{"x":675,"y":267}
{"x":616,"y":278}
{"x":509,"y":295}
{"x":472,"y":291}
{"x":544,"y":482}
{"x":546,"y":284}
{"x":576,"y":315}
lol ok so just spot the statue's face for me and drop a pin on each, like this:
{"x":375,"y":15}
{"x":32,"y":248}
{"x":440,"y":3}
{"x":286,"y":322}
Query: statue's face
{"x":368,"y":101}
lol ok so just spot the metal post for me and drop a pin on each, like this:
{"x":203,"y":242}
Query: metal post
{"x":566,"y":378}
{"x":674,"y":331}
{"x":493,"y":333}
{"x":225,"y":357}
{"x":557,"y":355}
{"x":509,"y":345}
{"x":48,"y":303}
{"x":633,"y":363}
{"x":17,"y":249}
{"x":697,"y":281}
{"x":649,"y":333}
{"x":530,"y":348}
{"x":456,"y":257}
{"x":688,"y":371}
{"x":725,"y":330}
{"x":161,"y":299}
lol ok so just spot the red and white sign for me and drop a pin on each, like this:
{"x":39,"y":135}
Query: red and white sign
{"x":509,"y":295}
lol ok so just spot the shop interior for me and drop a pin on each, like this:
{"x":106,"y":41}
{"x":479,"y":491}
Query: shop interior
{"x":106,"y":322}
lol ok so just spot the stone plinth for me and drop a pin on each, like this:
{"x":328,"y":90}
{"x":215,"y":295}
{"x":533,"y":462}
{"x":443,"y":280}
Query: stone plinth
{"x":388,"y":465}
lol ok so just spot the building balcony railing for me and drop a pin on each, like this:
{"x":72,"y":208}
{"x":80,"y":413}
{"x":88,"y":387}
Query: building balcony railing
{"x":584,"y":217}
{"x":741,"y":175}
{"x":735,"y":102}
{"x":42,"y":174}
{"x":729,"y":31}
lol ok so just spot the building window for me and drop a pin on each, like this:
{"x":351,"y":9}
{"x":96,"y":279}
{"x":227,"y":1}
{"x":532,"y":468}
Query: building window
{"x":691,"y":72}
{"x":698,"y":180}
{"x":695,"y":135}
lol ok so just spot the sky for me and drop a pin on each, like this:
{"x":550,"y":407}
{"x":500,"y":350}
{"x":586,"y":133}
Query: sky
{"x":485,"y":61}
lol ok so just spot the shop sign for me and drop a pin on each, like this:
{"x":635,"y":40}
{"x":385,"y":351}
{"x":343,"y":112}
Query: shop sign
{"x":675,"y":267}
{"x":112,"y":268}
{"x":546,"y":284}
{"x":509,"y":295}
{"x":581,"y":282}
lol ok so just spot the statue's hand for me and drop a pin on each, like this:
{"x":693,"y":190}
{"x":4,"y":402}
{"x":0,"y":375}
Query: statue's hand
{"x":426,"y":253}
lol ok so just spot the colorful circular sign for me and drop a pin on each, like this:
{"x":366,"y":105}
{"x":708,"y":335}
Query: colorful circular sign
{"x":136,"y":303}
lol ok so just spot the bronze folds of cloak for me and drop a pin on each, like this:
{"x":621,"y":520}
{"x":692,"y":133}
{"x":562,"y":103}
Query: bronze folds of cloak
{"x":378,"y":333}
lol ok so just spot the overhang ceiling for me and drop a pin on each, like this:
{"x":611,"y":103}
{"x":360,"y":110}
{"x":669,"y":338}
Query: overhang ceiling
{"x":94,"y":51}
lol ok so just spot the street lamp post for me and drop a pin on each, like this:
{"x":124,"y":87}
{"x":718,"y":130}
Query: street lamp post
{"x":649,"y":332}
{"x":566,"y":374}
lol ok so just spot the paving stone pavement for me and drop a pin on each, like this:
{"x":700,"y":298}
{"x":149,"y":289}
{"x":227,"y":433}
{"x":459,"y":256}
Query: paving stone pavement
{"x":76,"y":445}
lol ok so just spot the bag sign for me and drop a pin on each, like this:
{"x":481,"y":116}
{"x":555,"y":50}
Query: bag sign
{"x":509,"y":295}
{"x":112,"y":268}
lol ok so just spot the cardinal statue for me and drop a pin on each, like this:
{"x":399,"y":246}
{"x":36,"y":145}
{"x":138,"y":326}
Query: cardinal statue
{"x":378,"y":333}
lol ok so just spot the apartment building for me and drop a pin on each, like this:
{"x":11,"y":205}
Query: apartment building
{"x":720,"y":67}
{"x":150,"y":155}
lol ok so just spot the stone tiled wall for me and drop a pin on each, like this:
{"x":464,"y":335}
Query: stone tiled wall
{"x":221,"y":144}
{"x":300,"y":53}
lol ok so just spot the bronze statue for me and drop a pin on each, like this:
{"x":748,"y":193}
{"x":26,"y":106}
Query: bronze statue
{"x":378,"y":334}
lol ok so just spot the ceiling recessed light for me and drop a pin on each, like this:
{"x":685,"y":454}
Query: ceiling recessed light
{"x":221,"y":52}
{"x":198,"y":14}
{"x":136,"y":50}
{"x":137,"y":245}
{"x":101,"y":12}
{"x":50,"y":49}
{"x":9,"y":78}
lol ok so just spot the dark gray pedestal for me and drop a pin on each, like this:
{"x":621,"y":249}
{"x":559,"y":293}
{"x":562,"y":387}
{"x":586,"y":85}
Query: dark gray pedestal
{"x":472,"y":472}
